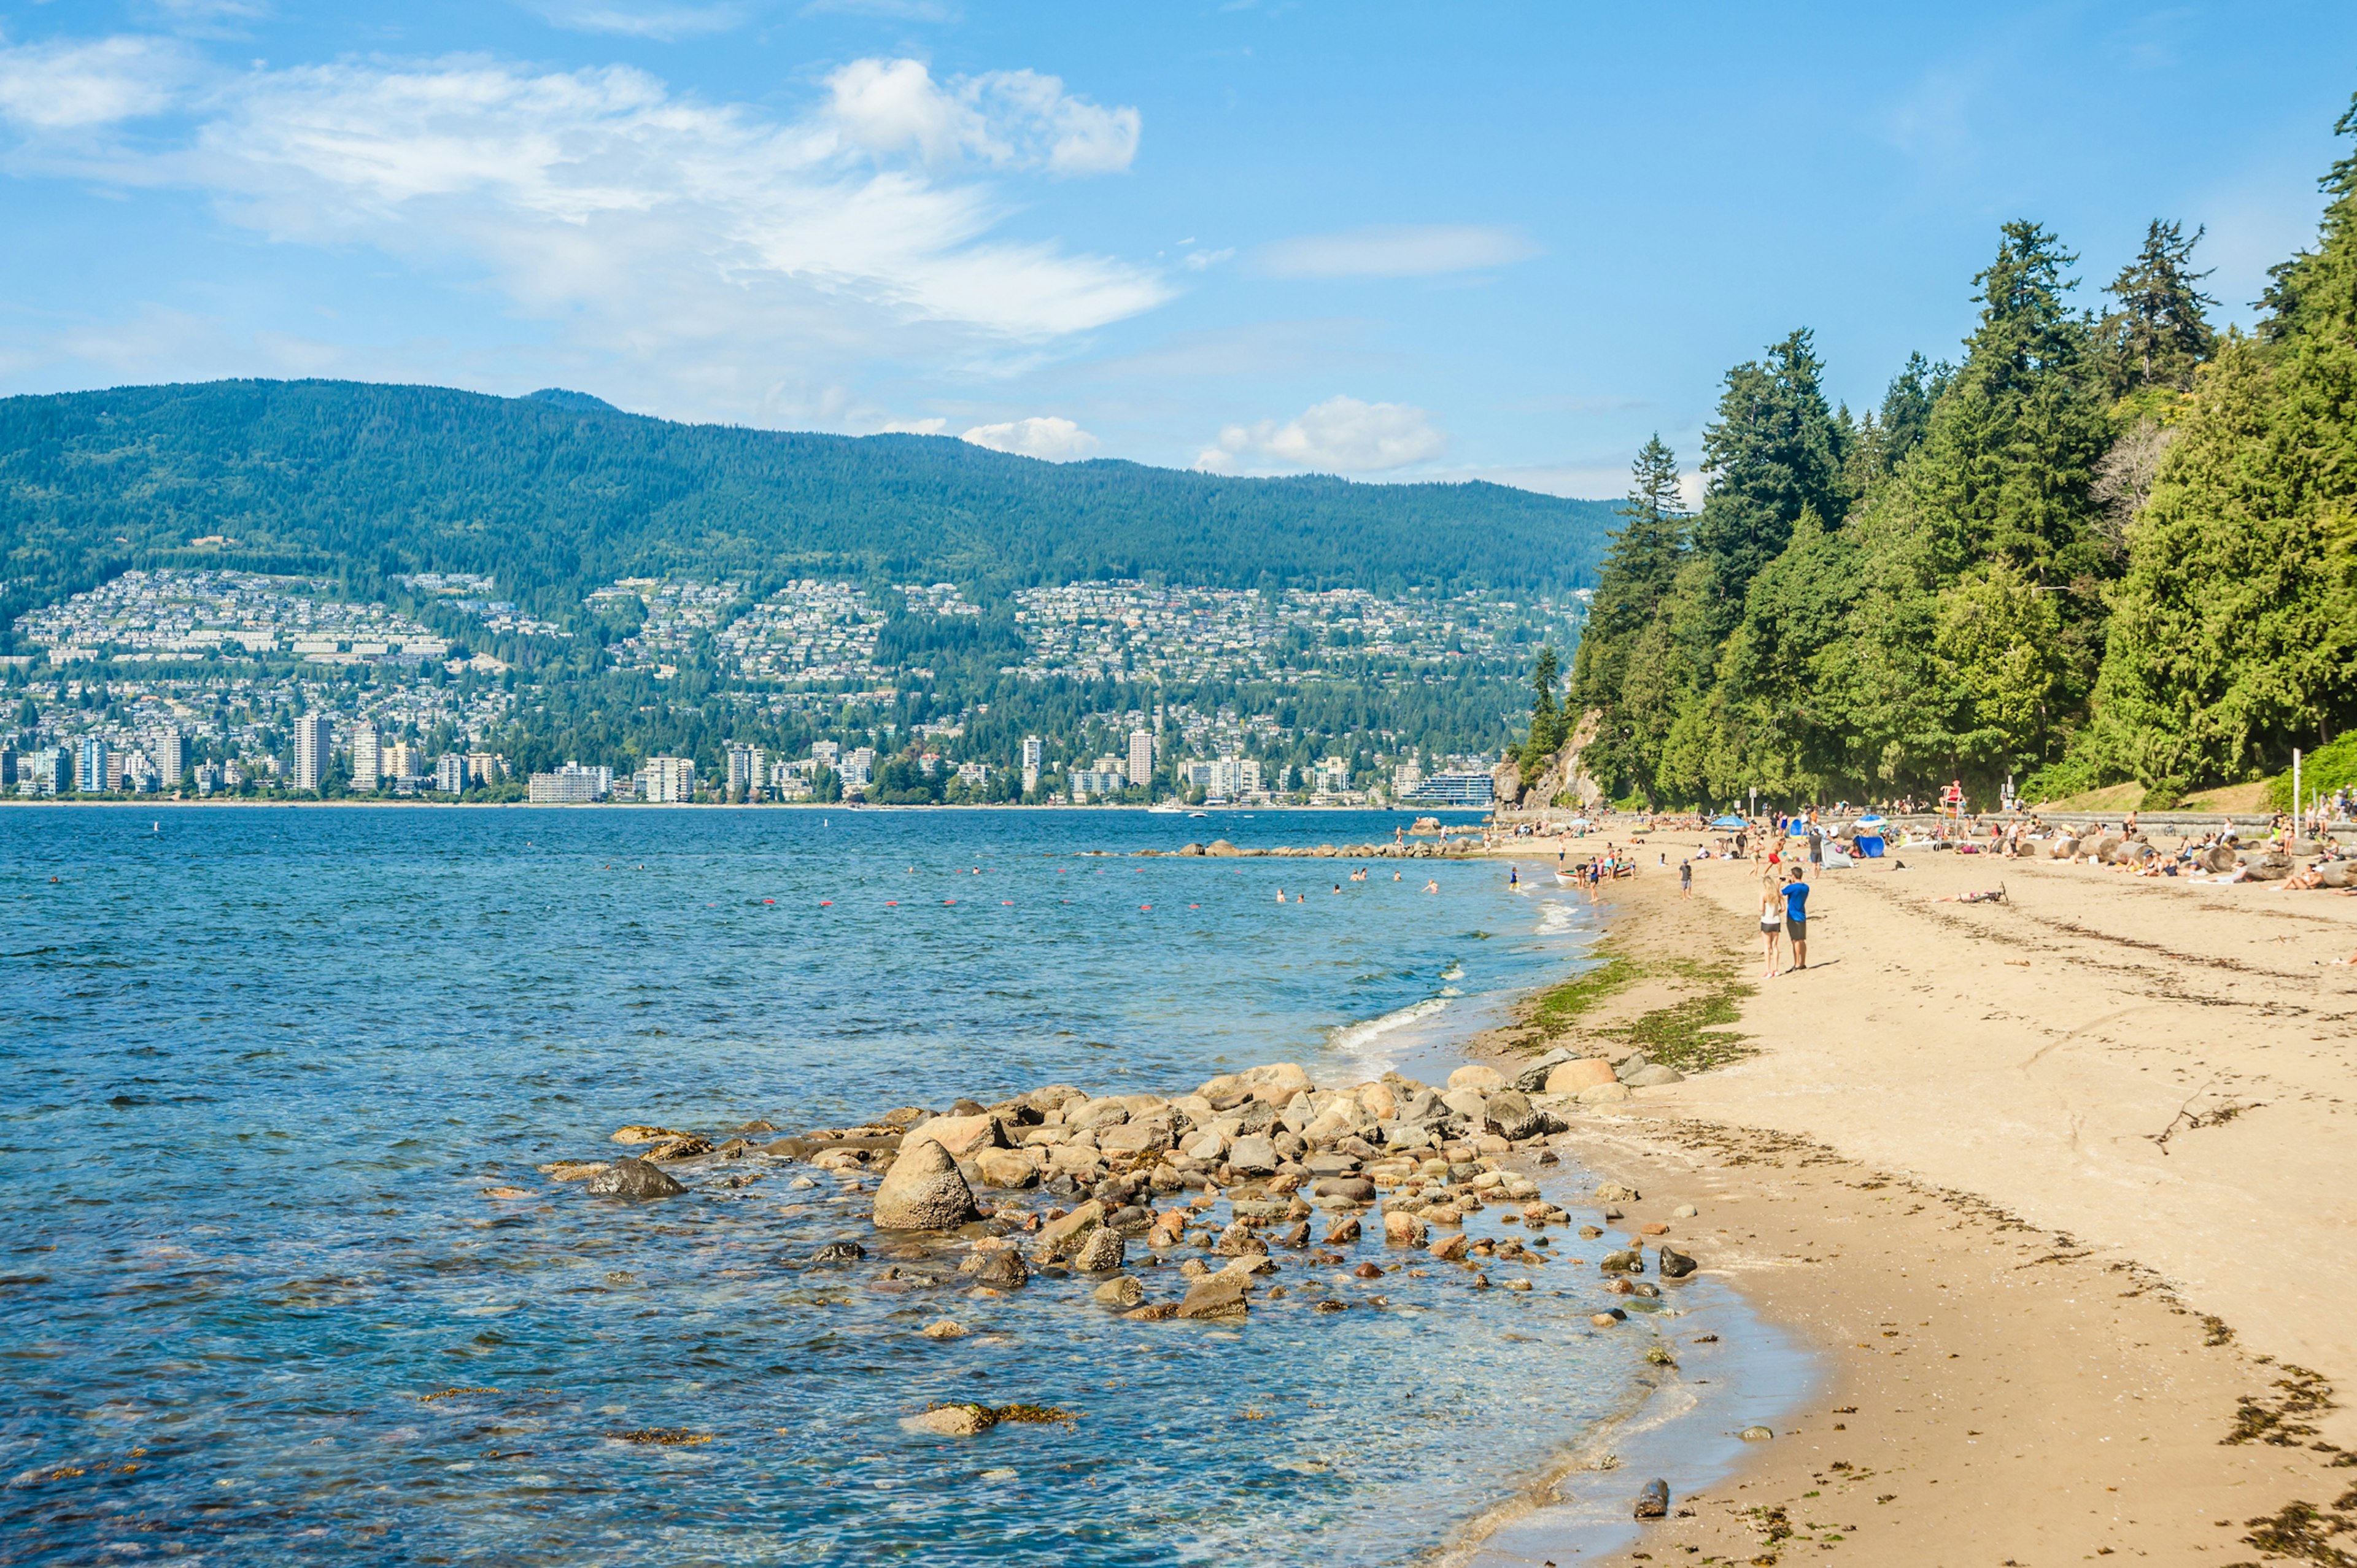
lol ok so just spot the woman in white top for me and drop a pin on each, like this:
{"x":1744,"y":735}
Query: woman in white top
{"x":1772,"y":919}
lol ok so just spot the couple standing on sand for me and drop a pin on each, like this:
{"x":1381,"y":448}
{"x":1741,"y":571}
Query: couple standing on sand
{"x":1784,"y":911}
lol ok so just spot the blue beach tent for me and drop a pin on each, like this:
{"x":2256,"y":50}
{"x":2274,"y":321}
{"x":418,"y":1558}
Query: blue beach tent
{"x":1869,"y":838}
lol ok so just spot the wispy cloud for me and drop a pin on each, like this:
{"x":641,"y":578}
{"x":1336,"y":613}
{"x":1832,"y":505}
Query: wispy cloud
{"x":706,"y":242}
{"x":1398,"y":251}
{"x":662,"y":20}
{"x":1340,"y":435}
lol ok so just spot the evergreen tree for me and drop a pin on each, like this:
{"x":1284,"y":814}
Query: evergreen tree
{"x":1775,"y":450}
{"x":1548,"y":726}
{"x":1641,"y":565}
{"x":2007,"y":464}
{"x":2160,"y":334}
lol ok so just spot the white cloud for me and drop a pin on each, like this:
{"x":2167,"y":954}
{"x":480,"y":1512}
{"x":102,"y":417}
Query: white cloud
{"x":1397,"y":251}
{"x":1204,"y":261}
{"x":658,"y":19}
{"x":1340,"y":435}
{"x":1056,"y":440}
{"x":723,"y":253}
{"x":72,"y":86}
{"x":913,"y":428}
{"x":1008,"y":119}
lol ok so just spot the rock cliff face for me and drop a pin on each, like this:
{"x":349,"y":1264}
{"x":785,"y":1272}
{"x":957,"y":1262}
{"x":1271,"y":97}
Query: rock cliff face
{"x":1563,"y":782}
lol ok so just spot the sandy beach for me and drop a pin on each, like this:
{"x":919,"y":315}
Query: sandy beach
{"x":2054,"y":1187}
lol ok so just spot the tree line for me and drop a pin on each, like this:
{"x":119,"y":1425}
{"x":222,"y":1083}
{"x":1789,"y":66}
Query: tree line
{"x":2104,"y":545}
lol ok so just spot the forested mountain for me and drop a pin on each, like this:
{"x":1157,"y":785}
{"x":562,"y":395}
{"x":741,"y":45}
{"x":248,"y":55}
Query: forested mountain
{"x":2101,"y":547}
{"x":557,"y":494}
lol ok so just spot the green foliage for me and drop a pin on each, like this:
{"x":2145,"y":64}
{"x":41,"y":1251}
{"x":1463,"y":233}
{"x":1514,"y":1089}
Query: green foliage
{"x":1547,"y":724}
{"x":2233,"y":629}
{"x":2321,"y":771}
{"x":1774,"y":452}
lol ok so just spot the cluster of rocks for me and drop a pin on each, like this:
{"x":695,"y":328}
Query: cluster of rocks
{"x":1220,"y":849}
{"x":1299,"y":1168}
{"x":2266,"y":862}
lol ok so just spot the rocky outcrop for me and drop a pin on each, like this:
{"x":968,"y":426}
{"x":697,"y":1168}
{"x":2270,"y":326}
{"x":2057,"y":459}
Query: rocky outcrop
{"x":633,"y":1180}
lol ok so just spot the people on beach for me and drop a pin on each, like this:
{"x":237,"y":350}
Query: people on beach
{"x":1772,"y":920}
{"x":1686,"y":879}
{"x":1796,"y":917}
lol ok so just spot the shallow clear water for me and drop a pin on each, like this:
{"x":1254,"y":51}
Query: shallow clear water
{"x":264,"y":1065}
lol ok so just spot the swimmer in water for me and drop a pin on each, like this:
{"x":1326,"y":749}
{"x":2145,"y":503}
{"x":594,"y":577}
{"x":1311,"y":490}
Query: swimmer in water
{"x":1514,"y":877}
{"x":1337,"y":888}
{"x":1280,"y":894}
{"x":1432,"y":886}
{"x":1395,"y":876}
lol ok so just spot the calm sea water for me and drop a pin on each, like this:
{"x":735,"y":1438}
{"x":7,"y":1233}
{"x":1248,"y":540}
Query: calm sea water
{"x":265,"y":1065}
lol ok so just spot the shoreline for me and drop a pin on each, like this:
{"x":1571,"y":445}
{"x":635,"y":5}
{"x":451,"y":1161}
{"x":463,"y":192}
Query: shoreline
{"x":2011,"y":1356}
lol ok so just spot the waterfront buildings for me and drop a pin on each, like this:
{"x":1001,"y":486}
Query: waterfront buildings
{"x":1141,"y":756}
{"x":90,"y":765}
{"x":313,"y":744}
{"x":368,"y":760}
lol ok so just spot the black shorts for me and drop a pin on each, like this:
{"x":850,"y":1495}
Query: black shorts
{"x":1796,"y":930}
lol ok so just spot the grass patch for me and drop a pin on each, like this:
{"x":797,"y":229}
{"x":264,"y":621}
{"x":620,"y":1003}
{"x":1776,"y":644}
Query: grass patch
{"x":1685,"y":1035}
{"x":1557,"y":1010}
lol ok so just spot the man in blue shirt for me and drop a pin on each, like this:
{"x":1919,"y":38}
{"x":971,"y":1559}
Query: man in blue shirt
{"x":1796,"y":917}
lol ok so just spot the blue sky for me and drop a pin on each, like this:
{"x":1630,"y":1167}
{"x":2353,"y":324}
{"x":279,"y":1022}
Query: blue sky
{"x":1395,"y":242}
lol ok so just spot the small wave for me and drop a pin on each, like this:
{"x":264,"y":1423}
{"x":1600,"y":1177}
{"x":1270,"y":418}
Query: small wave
{"x":1356,"y":1037}
{"x":1454,"y":972}
{"x":1555,"y":919}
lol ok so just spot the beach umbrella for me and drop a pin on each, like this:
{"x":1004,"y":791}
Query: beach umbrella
{"x":1869,"y":822}
{"x":1729,"y":821}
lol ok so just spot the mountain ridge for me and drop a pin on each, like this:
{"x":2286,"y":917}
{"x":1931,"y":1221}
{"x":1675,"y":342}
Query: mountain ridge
{"x":554,"y":497}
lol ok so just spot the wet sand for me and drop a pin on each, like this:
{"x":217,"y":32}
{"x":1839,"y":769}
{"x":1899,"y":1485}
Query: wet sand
{"x":2053,"y":1188}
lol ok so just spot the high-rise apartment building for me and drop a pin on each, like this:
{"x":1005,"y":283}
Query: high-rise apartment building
{"x":1141,"y":756}
{"x":450,"y":773}
{"x":312,"y":740}
{"x":1035,"y":754}
{"x":169,"y":751}
{"x":667,"y":779}
{"x":368,"y":760}
{"x":400,"y":761}
{"x":90,"y":765}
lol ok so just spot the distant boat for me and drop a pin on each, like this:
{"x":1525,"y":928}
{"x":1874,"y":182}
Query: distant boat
{"x":1198,"y":813}
{"x":1167,"y":810}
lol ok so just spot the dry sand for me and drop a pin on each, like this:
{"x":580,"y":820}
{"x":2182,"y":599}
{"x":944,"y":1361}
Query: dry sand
{"x":2057,"y":1188}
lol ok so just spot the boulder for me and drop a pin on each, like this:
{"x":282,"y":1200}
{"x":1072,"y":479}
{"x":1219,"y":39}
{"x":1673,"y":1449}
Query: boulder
{"x":1206,"y":1145}
{"x":1343,"y":1232}
{"x":1239,"y":1239}
{"x":1653,"y":1502}
{"x":1255,"y":1155}
{"x":1654,"y":1076}
{"x":633,"y":1180}
{"x":1134,"y":1137}
{"x":643,"y":1134}
{"x":1075,"y":1160}
{"x":1477,"y":1075}
{"x":950,"y":1420}
{"x":943,"y":1328}
{"x":1582,"y":1073}
{"x":1402,"y":1228}
{"x":1191,"y":849}
{"x":1632,"y":1262}
{"x":1100,"y":1251}
{"x":1511,"y":1116}
{"x":1219,"y":849}
{"x":839,"y":1252}
{"x":682,"y":1148}
{"x":1451,"y":1247}
{"x":1604,"y":1094}
{"x":1060,"y":1237}
{"x":1122,"y":1289}
{"x":923,"y":1191}
{"x":1675,"y":1265}
{"x":1218,"y":1295}
{"x":958,"y":1134}
{"x":1331,"y":1165}
{"x":1005,"y":1169}
{"x":1378,"y":1100}
{"x":1351,"y":1190}
{"x":1274,"y":1082}
{"x":1098,"y":1113}
{"x":1469,"y":1103}
{"x":1533,"y":1078}
{"x":1614,"y":1192}
{"x":1002,"y":1268}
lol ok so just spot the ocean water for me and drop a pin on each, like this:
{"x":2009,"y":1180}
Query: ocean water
{"x":268,"y":1068}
